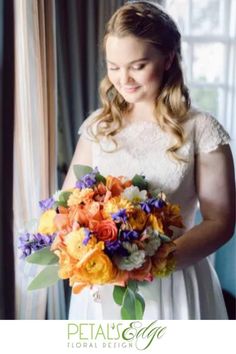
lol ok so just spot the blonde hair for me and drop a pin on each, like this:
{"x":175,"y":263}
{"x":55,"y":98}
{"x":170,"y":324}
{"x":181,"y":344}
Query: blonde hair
{"x":148,"y":22}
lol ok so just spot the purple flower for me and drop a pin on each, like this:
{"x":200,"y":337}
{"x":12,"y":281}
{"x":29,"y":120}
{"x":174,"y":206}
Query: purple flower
{"x":120,"y":216}
{"x":33,"y":242}
{"x":151,"y":203}
{"x":46,"y":203}
{"x":115,"y":247}
{"x":87,"y":236}
{"x":87,"y":181}
{"x":129,"y":235}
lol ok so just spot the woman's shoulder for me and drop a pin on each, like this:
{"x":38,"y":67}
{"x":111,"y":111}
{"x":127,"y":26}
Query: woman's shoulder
{"x":207,"y":131}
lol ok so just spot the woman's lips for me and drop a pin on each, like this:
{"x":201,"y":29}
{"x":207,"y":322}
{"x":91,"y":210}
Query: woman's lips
{"x":131,"y":89}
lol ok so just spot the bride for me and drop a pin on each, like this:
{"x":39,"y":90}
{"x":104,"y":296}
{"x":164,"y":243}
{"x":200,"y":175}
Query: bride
{"x":146,"y":125}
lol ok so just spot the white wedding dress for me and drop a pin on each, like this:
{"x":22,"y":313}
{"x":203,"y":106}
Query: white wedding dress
{"x":192,"y":293}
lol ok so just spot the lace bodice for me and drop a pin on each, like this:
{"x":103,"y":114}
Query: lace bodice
{"x":141,"y":149}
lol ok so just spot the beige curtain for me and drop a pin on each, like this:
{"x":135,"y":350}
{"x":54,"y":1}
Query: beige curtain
{"x":35,"y":133}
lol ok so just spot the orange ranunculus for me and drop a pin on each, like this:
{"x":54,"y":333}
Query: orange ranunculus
{"x":143,"y":272}
{"x":138,"y":219}
{"x":106,"y":230}
{"x":114,"y":185}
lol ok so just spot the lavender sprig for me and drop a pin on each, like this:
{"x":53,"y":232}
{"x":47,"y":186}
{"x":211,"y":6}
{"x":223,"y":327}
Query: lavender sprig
{"x":30,"y":243}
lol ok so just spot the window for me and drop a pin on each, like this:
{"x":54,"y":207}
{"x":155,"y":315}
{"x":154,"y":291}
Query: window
{"x":209,"y":54}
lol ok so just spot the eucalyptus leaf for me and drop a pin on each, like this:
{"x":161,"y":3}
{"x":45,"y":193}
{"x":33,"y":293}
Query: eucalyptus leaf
{"x":43,"y":257}
{"x":139,"y":306}
{"x":64,"y":196}
{"x":47,"y":277}
{"x":140,"y":182}
{"x":81,"y":170}
{"x":128,"y":307}
{"x":118,"y":294}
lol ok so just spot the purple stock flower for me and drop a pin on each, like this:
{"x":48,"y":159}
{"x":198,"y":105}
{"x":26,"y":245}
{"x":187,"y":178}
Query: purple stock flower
{"x":87,"y":181}
{"x":87,"y":236}
{"x":46,"y":203}
{"x":34,"y":242}
{"x":119,"y":216}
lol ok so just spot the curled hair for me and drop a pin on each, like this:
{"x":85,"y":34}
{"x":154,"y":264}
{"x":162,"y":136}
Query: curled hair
{"x":150,"y":23}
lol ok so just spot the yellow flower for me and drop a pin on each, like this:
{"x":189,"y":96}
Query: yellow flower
{"x":46,"y":222}
{"x":138,"y":219}
{"x":74,"y":243}
{"x":155,"y":223}
{"x":78,"y":196}
{"x":95,"y":267}
{"x":115,"y":204}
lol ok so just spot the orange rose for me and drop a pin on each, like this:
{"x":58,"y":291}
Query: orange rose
{"x":106,"y":230}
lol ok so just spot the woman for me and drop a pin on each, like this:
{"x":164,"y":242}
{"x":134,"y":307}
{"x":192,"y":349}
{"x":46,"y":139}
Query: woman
{"x":146,"y":125}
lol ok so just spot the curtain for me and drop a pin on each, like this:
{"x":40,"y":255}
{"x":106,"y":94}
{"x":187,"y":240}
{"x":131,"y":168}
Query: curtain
{"x":80,"y":27}
{"x":6,"y":158}
{"x":35,"y":142}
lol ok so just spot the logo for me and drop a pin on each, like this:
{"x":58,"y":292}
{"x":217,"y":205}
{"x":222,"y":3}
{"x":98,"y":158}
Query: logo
{"x":113,"y":335}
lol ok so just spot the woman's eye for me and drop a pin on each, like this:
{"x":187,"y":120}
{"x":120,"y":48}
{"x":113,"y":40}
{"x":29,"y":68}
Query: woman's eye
{"x":113,"y":69}
{"x":138,"y":67}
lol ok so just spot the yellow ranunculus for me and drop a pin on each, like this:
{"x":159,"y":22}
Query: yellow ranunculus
{"x":46,"y":222}
{"x":75,"y":246}
{"x":78,"y":196}
{"x":95,"y":267}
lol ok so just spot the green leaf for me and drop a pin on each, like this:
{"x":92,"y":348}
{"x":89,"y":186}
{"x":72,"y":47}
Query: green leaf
{"x":64,"y":196}
{"x":164,"y":238}
{"x":139,"y":306}
{"x":118,"y":294}
{"x":128,"y":308}
{"x":81,"y":170}
{"x":47,"y":277}
{"x":100,"y":178}
{"x":133,"y":285}
{"x":140,"y":182}
{"x":43,"y":257}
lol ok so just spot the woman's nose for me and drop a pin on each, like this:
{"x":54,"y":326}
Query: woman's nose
{"x":125,"y":77}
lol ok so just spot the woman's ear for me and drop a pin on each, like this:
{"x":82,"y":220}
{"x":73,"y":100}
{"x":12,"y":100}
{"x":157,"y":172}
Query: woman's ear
{"x":169,"y":60}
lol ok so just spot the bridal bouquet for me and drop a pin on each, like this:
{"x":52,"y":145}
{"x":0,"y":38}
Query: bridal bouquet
{"x":105,"y":230}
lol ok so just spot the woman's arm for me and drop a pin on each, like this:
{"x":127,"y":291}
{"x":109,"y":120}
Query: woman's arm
{"x":83,"y":156}
{"x":215,"y":185}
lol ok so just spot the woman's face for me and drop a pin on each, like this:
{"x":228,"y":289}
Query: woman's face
{"x":135,"y":68}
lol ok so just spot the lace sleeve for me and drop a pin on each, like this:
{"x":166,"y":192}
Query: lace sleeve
{"x":209,"y":134}
{"x":83,"y":128}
